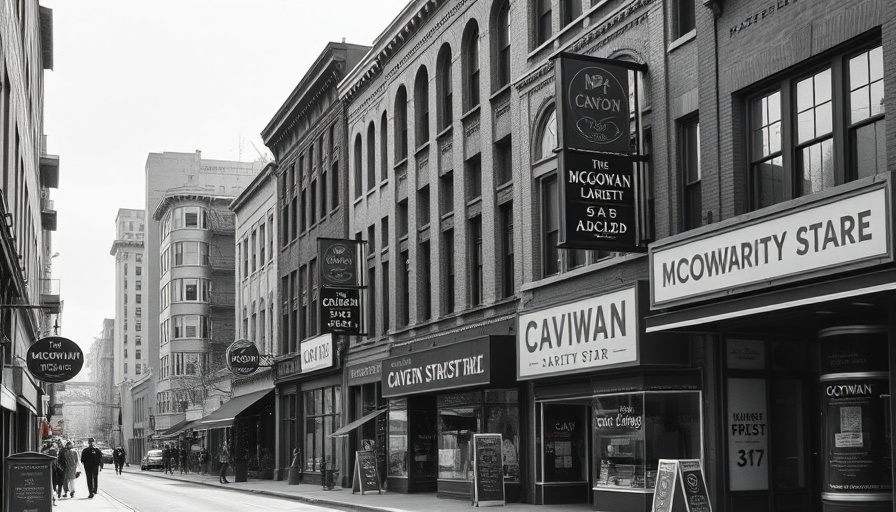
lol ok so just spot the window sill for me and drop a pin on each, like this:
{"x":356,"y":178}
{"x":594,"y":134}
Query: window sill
{"x":400,"y":163}
{"x":497,"y":94}
{"x":445,"y":132}
{"x":421,"y":149}
{"x":470,"y":113}
{"x":683,"y":40}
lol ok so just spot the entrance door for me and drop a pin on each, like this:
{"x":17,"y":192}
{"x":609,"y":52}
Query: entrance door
{"x":564,"y":452}
{"x":769,"y":432}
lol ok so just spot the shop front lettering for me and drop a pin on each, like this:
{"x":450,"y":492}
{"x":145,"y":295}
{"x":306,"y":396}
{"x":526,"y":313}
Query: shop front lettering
{"x":619,"y":420}
{"x":315,"y":354}
{"x":810,"y":239}
{"x":849,"y":390}
{"x":583,"y":326}
{"x":456,"y":368}
{"x":759,"y":15}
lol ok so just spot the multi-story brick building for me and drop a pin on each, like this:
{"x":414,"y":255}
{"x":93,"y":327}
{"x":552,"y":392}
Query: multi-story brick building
{"x":307,"y":139}
{"x":100,"y":366}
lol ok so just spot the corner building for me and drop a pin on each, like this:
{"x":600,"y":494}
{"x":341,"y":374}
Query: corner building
{"x":754,"y":333}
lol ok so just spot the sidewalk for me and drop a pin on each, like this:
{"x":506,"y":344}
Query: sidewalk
{"x":343,"y":497}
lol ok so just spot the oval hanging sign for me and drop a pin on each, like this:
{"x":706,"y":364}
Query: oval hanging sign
{"x":243,"y":357}
{"x":54,"y":359}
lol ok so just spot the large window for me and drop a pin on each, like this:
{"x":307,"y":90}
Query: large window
{"x":401,"y":125}
{"x":371,"y":156}
{"x":550,"y":226}
{"x":477,"y":274}
{"x":322,"y":408}
{"x":191,"y":326}
{"x":358,"y":175}
{"x":448,"y":273}
{"x":543,"y":23}
{"x":684,"y":17}
{"x":570,"y":10}
{"x":421,"y":107}
{"x":444,"y":88}
{"x":190,"y":253}
{"x":508,"y":270}
{"x":471,"y":66}
{"x":188,"y":217}
{"x":502,"y":45}
{"x":689,"y":158}
{"x":837,"y":134}
{"x":189,"y":290}
{"x":384,"y":147}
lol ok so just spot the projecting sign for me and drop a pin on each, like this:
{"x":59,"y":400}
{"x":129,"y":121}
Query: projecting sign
{"x":827,"y":235}
{"x":242,"y":357}
{"x":589,"y":334}
{"x":54,"y":359}
{"x":339,"y":262}
{"x":340,"y":310}
{"x":317,"y":353}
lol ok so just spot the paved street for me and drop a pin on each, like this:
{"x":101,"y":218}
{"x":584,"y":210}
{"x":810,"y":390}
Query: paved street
{"x":143,"y":493}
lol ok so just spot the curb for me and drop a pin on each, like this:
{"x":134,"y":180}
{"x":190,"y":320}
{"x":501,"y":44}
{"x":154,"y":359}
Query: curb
{"x":277,"y":494}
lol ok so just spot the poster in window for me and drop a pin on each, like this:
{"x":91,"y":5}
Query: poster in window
{"x":747,"y":427}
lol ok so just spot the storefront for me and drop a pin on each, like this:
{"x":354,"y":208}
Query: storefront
{"x":366,"y":425}
{"x":440,"y":397}
{"x":608,"y":401}
{"x":796,"y":305}
{"x":309,"y":410}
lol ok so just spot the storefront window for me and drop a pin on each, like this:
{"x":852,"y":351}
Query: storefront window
{"x":322,"y":408}
{"x":456,"y":428}
{"x":502,"y":415}
{"x":564,"y":455}
{"x":632,"y":431}
{"x":398,"y":438}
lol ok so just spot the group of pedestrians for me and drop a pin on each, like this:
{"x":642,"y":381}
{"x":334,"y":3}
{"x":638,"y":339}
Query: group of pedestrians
{"x":70,"y":464}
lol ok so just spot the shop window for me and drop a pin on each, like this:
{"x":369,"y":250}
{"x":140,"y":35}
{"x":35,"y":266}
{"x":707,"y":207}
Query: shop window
{"x":457,"y":425}
{"x":322,"y":407}
{"x":398,"y":439}
{"x":836,"y":135}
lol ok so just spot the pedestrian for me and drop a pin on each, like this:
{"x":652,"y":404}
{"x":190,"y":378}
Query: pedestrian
{"x":92,"y":460}
{"x":183,"y":460}
{"x":166,"y":459}
{"x":118,"y":457}
{"x":56,"y":473}
{"x":225,"y":461}
{"x":68,"y":460}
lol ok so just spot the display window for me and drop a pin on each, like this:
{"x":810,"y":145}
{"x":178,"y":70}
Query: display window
{"x":398,"y":438}
{"x":632,"y":431}
{"x":322,"y":408}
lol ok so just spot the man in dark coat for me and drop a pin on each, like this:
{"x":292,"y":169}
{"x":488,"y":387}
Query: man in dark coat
{"x":166,"y":459}
{"x":92,"y":460}
{"x":118,"y":457}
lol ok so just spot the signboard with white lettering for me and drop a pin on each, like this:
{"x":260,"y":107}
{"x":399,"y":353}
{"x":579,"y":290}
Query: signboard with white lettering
{"x":599,"y":202}
{"x":242,"y":357}
{"x":747,"y":435}
{"x":590,"y":334}
{"x":449,"y":367}
{"x":363,"y":373}
{"x":317,"y":353}
{"x":340,"y":310}
{"x":54,"y":359}
{"x":841,"y":233}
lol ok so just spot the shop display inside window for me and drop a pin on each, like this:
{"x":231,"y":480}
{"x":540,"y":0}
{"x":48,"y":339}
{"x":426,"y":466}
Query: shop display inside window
{"x":456,"y":428}
{"x":632,"y":431}
{"x":398,"y":441}
{"x":503,"y":417}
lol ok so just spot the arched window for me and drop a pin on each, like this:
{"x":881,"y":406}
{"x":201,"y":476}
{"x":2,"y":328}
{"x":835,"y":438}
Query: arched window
{"x":371,"y":155}
{"x":384,"y":147}
{"x":421,"y":107}
{"x":444,"y":87}
{"x":358,"y":166}
{"x":547,"y":136}
{"x":401,"y":124}
{"x":502,"y":44}
{"x":471,"y":66}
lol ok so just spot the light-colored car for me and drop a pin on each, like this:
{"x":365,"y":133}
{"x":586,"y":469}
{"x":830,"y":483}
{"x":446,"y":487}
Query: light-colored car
{"x":152,"y":460}
{"x":107,"y":455}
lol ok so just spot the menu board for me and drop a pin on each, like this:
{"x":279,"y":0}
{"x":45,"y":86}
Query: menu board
{"x":366,"y":477}
{"x":692,"y":490}
{"x":28,"y":485}
{"x":488,"y":470}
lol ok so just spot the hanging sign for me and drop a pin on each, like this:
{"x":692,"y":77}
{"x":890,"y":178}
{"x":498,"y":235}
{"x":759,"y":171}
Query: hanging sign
{"x":598,"y":202}
{"x":366,"y":477}
{"x":317,"y":353}
{"x":339,"y":262}
{"x":54,"y":359}
{"x":691,"y":491}
{"x":340,"y":310}
{"x":242,"y":357}
{"x":593,"y":109}
{"x":488,"y":470}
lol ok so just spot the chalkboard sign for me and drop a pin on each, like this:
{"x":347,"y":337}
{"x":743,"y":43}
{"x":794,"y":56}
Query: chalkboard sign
{"x":692,"y":490}
{"x":488,"y":470}
{"x":366,"y":477}
{"x":28,"y":486}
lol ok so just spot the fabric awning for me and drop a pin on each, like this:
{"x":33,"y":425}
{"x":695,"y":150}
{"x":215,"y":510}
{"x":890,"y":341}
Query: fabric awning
{"x":348,"y":427}
{"x":230,"y":409}
{"x":177,"y":428}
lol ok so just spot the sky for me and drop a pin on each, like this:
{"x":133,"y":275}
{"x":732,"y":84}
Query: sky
{"x":133,"y":77}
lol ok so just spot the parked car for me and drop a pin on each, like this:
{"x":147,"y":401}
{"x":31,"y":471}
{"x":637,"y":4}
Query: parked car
{"x":152,"y":460}
{"x":107,"y":455}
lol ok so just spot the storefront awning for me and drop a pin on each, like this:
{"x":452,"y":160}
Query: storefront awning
{"x":177,"y":428}
{"x":806,"y":295}
{"x":348,"y":427}
{"x":229,"y":410}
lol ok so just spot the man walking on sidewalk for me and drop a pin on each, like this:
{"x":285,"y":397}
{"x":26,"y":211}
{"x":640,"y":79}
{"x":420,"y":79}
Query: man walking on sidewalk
{"x":92,"y":460}
{"x":118,"y":457}
{"x":225,"y":460}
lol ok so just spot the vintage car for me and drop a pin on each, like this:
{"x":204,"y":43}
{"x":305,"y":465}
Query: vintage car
{"x":152,"y":460}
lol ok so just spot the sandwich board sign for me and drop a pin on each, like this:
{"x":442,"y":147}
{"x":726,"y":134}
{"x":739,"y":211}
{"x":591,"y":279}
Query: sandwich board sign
{"x":690,"y":495}
{"x":488,"y":470}
{"x":366,"y":477}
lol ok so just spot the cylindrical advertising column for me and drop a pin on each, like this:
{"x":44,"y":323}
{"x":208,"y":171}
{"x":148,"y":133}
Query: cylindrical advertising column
{"x":855,"y":406}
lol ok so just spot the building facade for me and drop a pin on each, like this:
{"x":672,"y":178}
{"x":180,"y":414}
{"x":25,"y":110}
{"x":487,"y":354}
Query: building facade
{"x":29,"y":297}
{"x":128,"y":251}
{"x":194,"y":183}
{"x":100,"y":362}
{"x":306,"y":137}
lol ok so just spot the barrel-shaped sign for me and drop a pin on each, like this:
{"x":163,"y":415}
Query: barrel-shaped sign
{"x":243,"y":357}
{"x":54,"y":359}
